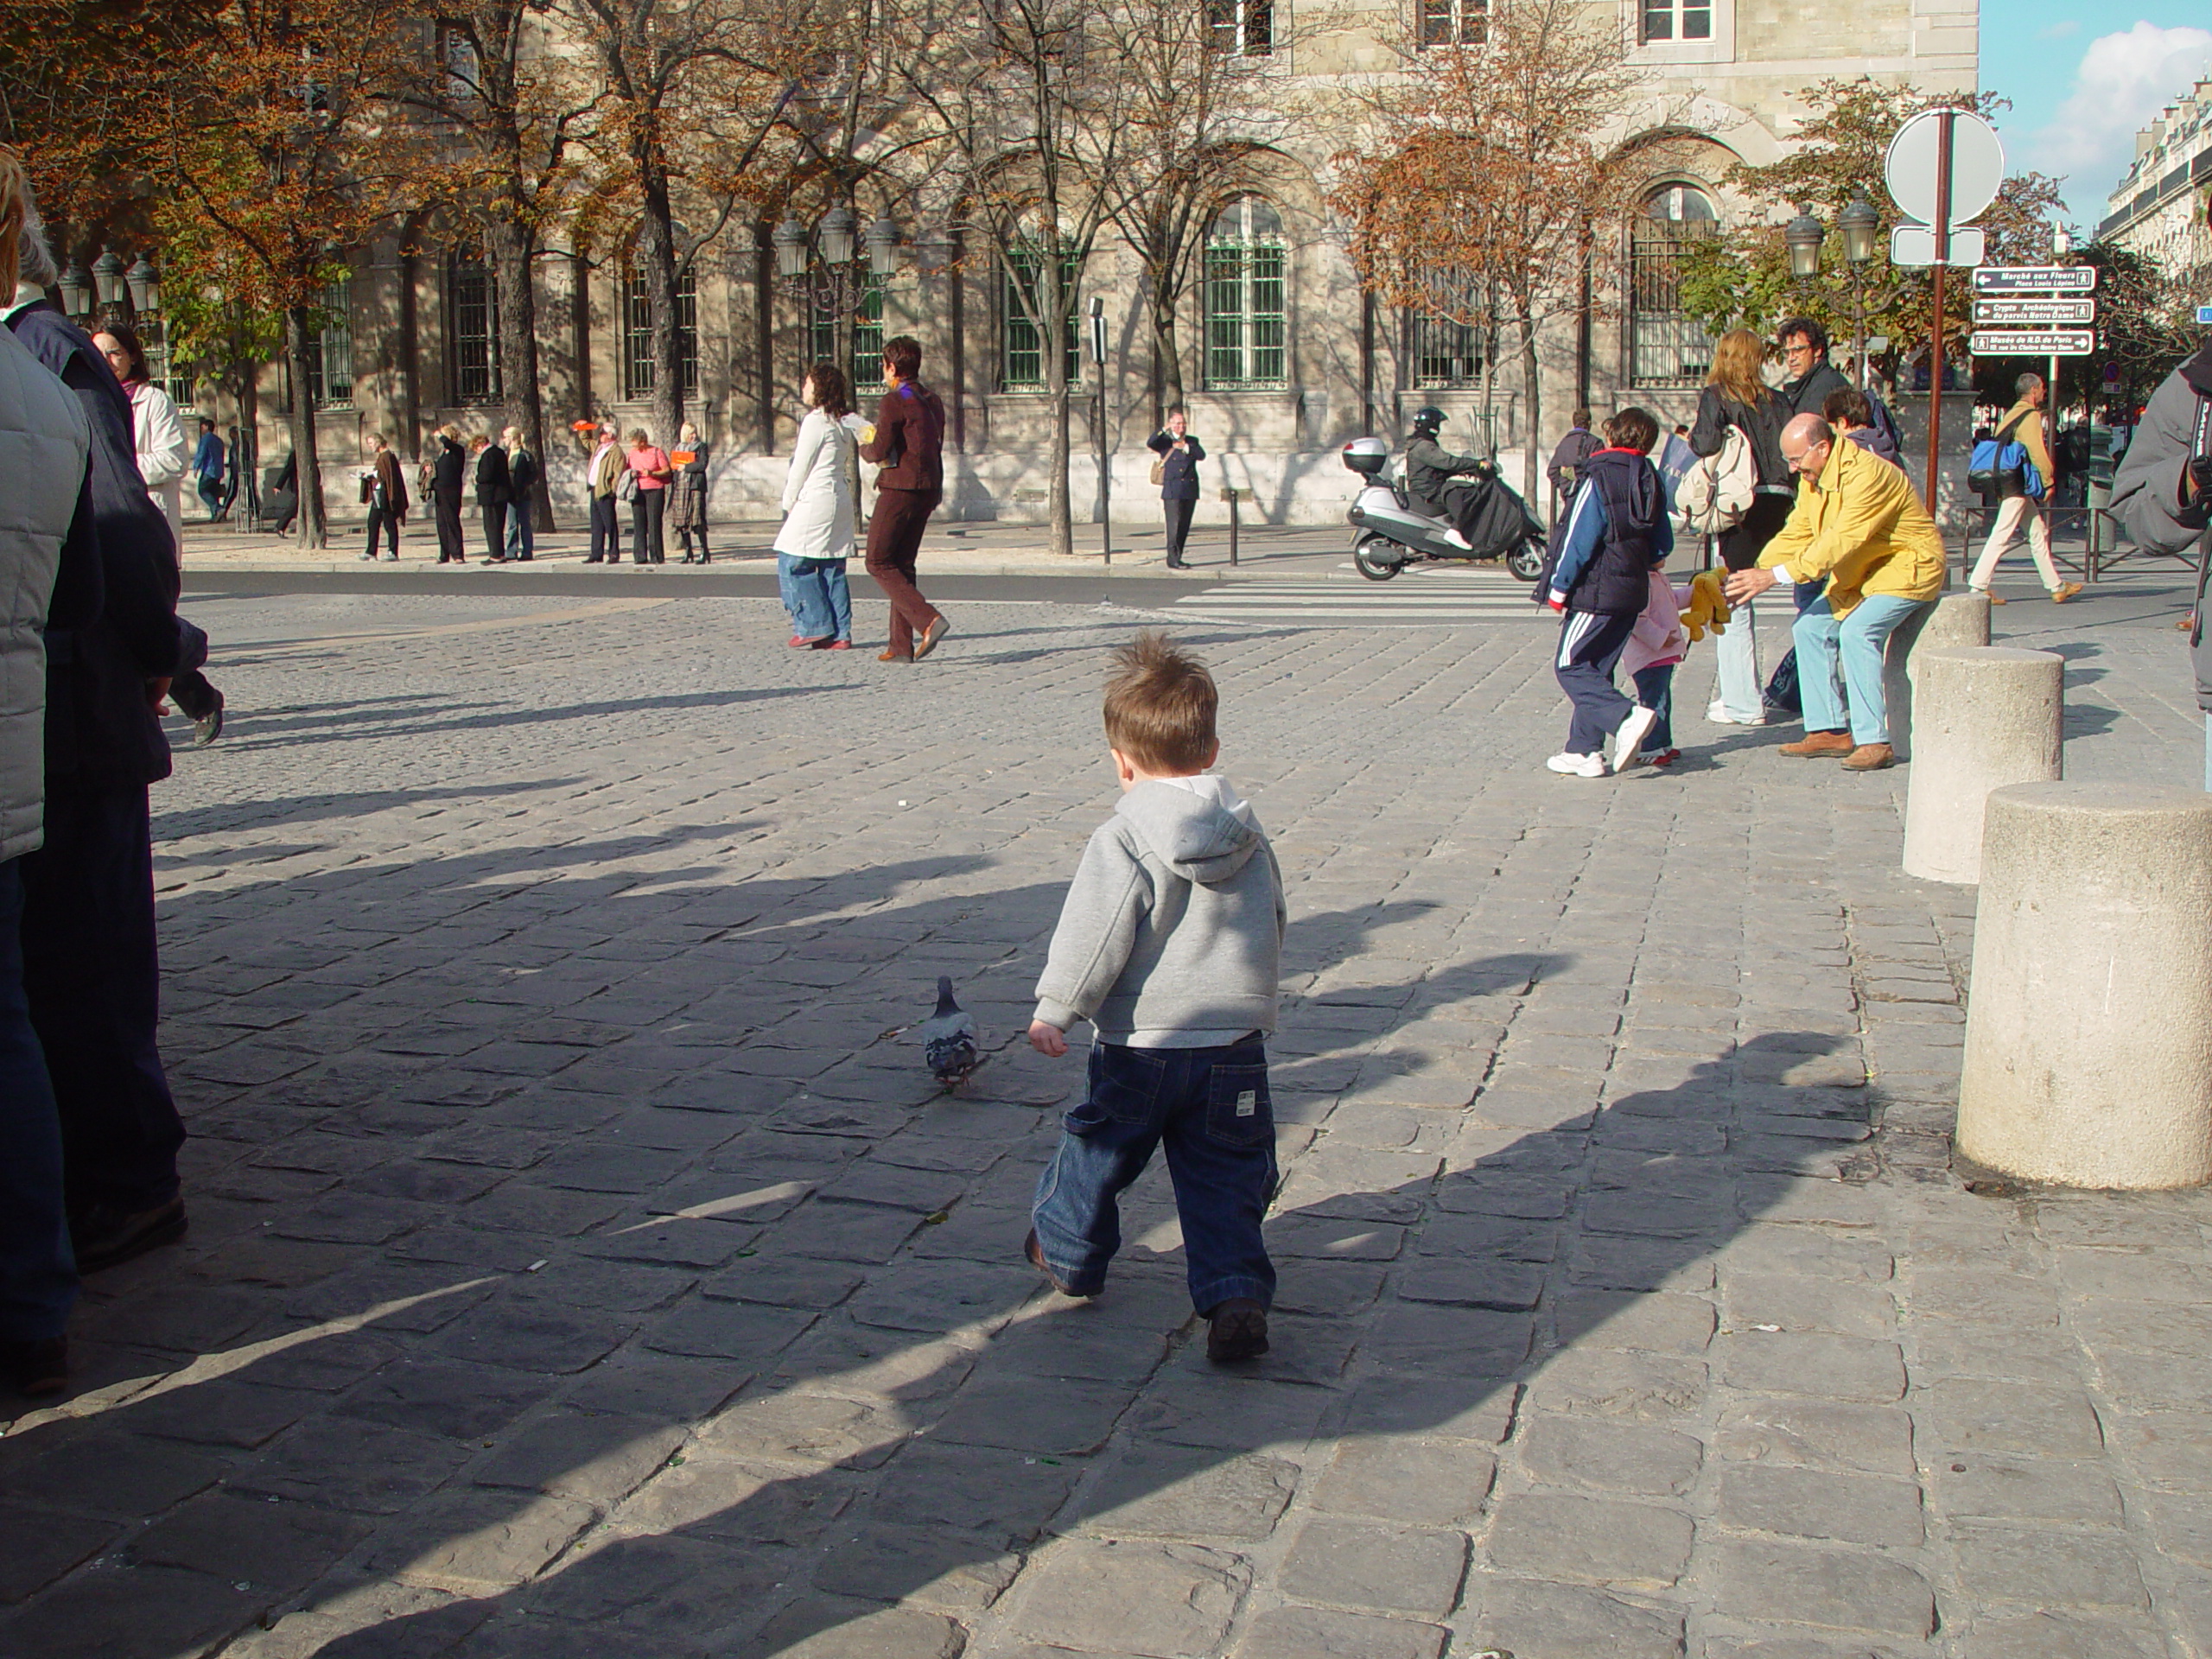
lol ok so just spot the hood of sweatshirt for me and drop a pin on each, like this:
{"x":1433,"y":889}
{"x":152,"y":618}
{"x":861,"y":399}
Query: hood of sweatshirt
{"x":1196,"y":826}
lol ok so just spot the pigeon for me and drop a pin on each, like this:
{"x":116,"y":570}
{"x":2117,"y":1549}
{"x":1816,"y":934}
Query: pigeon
{"x":949,"y":1037}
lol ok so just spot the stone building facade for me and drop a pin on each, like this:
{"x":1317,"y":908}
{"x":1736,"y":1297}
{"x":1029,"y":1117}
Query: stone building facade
{"x":2160,"y":204}
{"x":1287,"y":358}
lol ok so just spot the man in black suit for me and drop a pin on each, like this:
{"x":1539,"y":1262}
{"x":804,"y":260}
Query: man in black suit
{"x":91,"y":965}
{"x":494,"y":491}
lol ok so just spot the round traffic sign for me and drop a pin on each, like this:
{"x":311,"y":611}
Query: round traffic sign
{"x":1977,"y":165}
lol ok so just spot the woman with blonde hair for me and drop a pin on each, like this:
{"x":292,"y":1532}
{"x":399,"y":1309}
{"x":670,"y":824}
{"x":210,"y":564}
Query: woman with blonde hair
{"x":1736,"y":396}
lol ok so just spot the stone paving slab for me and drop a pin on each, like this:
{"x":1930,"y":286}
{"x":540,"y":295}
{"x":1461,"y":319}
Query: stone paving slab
{"x":583,"y":1262}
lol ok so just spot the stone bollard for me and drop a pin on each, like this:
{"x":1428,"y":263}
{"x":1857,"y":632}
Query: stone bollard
{"x":2088,"y":1057}
{"x":1988,"y":715}
{"x":1957,"y":619}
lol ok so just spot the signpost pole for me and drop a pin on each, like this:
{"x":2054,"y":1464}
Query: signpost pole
{"x":1945,"y":120}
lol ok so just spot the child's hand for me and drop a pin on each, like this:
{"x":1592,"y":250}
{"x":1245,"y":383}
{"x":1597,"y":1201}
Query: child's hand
{"x":1047,"y":1040}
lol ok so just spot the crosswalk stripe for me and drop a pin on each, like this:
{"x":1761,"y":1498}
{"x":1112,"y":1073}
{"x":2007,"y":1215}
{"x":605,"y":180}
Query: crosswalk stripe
{"x":1418,"y":599}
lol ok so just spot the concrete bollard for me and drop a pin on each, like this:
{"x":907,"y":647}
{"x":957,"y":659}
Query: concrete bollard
{"x":1988,"y":715}
{"x":2088,"y":1057}
{"x":1957,"y":619}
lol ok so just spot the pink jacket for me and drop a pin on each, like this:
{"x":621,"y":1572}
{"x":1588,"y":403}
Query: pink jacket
{"x":1658,"y":636}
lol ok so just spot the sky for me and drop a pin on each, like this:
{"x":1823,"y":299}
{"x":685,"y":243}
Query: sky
{"x":2082,"y":79}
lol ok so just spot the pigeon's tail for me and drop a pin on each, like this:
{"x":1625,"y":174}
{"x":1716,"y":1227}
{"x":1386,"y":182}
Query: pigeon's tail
{"x":944,"y":1003}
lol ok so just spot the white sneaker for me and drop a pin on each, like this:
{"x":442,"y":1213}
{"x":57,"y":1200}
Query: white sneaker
{"x":1629,"y":735}
{"x":1453,"y":537}
{"x":1579,"y":766}
{"x":1718,"y":715}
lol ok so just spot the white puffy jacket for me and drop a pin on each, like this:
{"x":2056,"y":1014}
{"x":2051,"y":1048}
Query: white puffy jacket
{"x":44,"y":441}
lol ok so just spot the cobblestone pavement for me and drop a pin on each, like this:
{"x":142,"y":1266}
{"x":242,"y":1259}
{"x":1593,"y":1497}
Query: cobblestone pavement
{"x":581,"y":1263}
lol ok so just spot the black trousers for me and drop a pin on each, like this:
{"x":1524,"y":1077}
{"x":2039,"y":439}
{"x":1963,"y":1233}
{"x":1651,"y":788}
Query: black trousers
{"x":1179,"y":523}
{"x":606,"y":531}
{"x":1590,"y":646}
{"x":646,"y":511}
{"x":387,"y":524}
{"x":91,"y":968}
{"x":450,"y":548}
{"x":1761,"y":521}
{"x":495,"y":528}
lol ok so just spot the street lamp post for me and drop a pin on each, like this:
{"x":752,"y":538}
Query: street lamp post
{"x":835,"y":286}
{"x":1861,"y":226}
{"x":1803,"y":234}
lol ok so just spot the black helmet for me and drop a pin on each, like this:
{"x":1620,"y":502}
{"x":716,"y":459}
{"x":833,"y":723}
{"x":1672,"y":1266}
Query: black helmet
{"x":1427,"y":418}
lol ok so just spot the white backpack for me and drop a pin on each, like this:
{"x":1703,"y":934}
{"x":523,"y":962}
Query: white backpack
{"x":1716,"y":494}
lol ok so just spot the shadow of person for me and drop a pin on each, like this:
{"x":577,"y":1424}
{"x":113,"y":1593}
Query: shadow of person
{"x":901,"y":1443}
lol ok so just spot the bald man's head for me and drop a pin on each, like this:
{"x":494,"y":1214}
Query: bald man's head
{"x":1805,"y":444}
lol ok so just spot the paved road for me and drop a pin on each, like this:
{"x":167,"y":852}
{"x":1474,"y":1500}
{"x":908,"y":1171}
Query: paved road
{"x":582,"y":1263}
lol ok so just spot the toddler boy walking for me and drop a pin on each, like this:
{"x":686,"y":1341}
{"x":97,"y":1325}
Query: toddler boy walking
{"x":1171,"y":944}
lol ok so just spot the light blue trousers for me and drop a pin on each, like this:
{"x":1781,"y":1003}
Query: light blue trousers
{"x":1836,"y":655}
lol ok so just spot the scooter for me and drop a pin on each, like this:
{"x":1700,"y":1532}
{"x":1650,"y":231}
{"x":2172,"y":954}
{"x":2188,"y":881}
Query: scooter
{"x":1389,"y":532}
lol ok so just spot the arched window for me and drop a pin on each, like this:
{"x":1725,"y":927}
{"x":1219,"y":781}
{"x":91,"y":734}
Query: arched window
{"x":1667,"y":347}
{"x":1244,"y":331}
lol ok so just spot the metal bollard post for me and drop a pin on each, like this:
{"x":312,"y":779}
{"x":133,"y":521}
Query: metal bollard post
{"x":1232,"y":497}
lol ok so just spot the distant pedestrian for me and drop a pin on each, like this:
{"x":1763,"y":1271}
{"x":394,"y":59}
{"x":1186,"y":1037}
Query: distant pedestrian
{"x":1567,"y":461}
{"x":2020,"y":515}
{"x":1617,"y":533}
{"x":1736,"y":398}
{"x":687,"y":507}
{"x":907,"y":442}
{"x":603,"y":475}
{"x":1179,"y":455}
{"x":491,"y":496}
{"x":449,"y":467}
{"x":1170,"y":943}
{"x":523,"y":472}
{"x":207,"y":470}
{"x":820,"y":504}
{"x":650,"y":471}
{"x":154,"y":427}
{"x":384,"y":492}
{"x":1860,"y":529}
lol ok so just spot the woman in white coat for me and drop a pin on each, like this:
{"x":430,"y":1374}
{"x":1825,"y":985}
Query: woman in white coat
{"x":163,"y":454}
{"x":819,"y":495}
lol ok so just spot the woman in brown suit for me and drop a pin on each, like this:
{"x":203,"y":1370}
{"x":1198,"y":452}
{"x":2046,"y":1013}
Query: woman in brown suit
{"x":908,"y":443}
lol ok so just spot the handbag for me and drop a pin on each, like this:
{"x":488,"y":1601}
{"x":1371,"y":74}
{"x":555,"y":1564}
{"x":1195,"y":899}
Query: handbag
{"x":1159,"y":471}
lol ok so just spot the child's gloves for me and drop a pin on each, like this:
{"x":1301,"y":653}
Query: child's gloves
{"x":1556,"y":599}
{"x":1708,"y":610}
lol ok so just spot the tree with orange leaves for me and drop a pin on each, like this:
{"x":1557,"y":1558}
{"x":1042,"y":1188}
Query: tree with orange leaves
{"x":1482,"y":208}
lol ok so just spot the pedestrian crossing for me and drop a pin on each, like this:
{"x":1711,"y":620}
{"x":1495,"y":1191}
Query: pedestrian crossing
{"x":1442,"y":596}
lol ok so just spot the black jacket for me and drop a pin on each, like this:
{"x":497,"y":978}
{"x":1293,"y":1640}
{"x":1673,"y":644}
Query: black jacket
{"x":1574,"y":449}
{"x":491,"y":477}
{"x":1761,"y":427}
{"x":100,"y":733}
{"x":1179,"y":474}
{"x":452,"y":467}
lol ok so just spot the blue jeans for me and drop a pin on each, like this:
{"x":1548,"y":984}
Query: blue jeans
{"x":1833,"y":654}
{"x":815,"y":593}
{"x":1211,"y":1108}
{"x":1654,"y":690}
{"x":38,"y":1275}
{"x":522,"y":535}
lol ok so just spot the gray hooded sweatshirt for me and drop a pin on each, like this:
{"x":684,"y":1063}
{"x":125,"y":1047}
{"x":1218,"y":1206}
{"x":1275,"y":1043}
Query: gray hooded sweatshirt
{"x":1171,"y":934}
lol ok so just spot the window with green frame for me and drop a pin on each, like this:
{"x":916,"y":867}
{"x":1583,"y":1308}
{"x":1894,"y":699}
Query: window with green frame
{"x":866,"y":368}
{"x":637,"y":336}
{"x":1245,"y":331}
{"x":1021,"y":355}
{"x":330,"y":359}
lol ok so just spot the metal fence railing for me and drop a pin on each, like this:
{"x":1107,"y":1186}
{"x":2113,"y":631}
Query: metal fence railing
{"x":2085,"y":541}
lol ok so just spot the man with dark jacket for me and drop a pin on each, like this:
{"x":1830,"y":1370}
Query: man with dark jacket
{"x":907,"y":442}
{"x":1615,"y":534}
{"x":447,"y":472}
{"x":1808,"y":379}
{"x":491,"y":496}
{"x":2163,"y":493}
{"x":90,"y":958}
{"x":1567,"y":461}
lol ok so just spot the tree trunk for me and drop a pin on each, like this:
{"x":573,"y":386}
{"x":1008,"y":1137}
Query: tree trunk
{"x":1534,"y":423}
{"x":657,"y":255}
{"x":1167,"y":357}
{"x":1051,"y":332}
{"x":509,"y":244}
{"x":307,"y":467}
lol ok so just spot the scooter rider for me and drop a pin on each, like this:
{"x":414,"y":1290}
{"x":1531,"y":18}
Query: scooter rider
{"x":1430,"y":468}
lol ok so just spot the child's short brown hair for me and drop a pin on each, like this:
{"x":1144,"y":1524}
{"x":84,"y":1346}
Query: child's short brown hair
{"x":1633,"y":428}
{"x":1160,"y":703}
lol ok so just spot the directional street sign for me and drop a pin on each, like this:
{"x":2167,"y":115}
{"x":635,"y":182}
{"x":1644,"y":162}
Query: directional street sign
{"x":2035,"y":279}
{"x":2033,"y":342}
{"x":2016,"y":312}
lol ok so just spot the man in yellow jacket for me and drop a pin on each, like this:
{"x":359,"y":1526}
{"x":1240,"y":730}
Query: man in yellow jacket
{"x":1858,"y":525}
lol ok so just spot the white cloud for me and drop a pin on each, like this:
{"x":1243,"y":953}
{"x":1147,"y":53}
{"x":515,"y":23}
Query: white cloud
{"x":2124,"y":80}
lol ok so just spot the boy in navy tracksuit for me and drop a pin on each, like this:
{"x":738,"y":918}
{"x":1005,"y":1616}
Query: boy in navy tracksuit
{"x":1615,"y":534}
